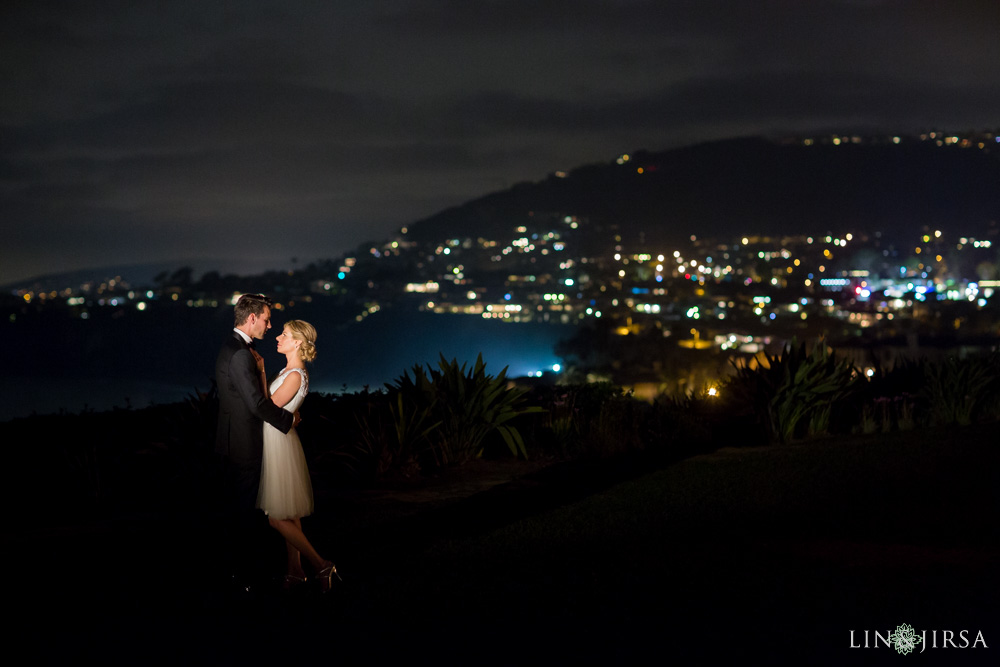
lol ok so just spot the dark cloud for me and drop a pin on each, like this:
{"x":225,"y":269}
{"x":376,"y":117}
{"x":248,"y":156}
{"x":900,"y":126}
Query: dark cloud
{"x":170,"y":131}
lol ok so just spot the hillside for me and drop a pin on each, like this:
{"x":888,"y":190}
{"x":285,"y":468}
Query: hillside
{"x":739,"y":186}
{"x":757,"y":186}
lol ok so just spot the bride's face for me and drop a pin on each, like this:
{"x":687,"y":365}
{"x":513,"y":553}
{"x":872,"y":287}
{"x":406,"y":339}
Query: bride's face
{"x":286,"y":343}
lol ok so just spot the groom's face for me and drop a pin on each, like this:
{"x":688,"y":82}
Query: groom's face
{"x":259,"y":324}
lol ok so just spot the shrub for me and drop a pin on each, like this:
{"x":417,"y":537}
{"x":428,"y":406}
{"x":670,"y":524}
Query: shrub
{"x":792,"y":394}
{"x":954,"y":388}
{"x":445,"y":414}
{"x":600,"y":420}
{"x":351,"y":436}
{"x":949,"y":391}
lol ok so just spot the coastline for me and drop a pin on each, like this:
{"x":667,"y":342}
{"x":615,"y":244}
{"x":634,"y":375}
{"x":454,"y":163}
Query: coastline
{"x":351,"y":355}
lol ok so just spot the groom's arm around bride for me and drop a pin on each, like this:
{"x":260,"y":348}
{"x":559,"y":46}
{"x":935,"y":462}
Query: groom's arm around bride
{"x":243,"y":403}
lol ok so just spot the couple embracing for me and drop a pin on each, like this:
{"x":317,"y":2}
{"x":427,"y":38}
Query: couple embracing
{"x":264,"y":463}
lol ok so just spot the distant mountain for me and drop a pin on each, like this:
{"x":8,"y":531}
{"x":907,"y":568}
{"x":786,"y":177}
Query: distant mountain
{"x":756,"y":186}
{"x":143,"y":275}
{"x":739,"y":186}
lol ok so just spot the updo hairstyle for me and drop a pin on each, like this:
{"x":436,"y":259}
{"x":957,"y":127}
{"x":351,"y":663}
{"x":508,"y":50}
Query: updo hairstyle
{"x":305,"y":333}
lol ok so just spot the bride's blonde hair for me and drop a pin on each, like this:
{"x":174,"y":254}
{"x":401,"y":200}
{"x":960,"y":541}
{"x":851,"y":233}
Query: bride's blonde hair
{"x":305,"y":333}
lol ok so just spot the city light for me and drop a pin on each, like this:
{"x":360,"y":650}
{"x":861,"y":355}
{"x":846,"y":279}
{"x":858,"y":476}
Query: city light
{"x":745,"y":282}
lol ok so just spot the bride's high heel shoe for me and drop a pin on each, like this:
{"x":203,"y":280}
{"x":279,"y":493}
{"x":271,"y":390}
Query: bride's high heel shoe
{"x":290,"y":583}
{"x":328,"y":577}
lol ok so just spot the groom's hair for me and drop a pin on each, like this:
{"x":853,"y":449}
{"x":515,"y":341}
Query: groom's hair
{"x":250,"y":304}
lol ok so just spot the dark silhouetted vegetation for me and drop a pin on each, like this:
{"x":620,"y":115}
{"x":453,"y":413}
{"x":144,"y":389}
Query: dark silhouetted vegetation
{"x":439,"y":417}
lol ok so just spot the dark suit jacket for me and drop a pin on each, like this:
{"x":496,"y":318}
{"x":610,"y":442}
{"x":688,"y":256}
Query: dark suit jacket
{"x":243,"y":409}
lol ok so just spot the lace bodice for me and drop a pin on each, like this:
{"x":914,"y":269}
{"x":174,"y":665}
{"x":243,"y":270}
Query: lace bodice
{"x":300,"y":395}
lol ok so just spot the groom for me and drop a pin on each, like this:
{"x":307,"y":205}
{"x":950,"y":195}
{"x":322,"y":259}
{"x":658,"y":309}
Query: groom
{"x":244,"y":406}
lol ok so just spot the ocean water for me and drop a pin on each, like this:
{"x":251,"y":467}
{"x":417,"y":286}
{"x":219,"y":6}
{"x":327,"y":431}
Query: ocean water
{"x":53,"y":365}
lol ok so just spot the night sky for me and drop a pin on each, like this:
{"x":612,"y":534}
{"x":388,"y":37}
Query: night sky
{"x":137,"y":132}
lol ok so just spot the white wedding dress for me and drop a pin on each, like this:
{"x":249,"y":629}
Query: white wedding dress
{"x":285,"y":489}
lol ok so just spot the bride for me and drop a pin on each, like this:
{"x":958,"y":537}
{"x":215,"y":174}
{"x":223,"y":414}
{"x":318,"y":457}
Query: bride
{"x":285,"y":492}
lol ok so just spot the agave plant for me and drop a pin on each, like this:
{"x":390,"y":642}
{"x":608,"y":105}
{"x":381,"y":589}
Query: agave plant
{"x":795,"y":390}
{"x":451,"y":410}
{"x":413,"y":421}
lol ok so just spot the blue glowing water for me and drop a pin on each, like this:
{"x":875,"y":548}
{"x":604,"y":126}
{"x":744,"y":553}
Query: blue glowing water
{"x":137,"y":361}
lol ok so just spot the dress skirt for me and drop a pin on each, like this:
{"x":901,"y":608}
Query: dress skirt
{"x":285,"y":488}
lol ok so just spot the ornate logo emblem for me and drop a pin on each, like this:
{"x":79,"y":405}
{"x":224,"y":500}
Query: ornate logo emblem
{"x":904,"y":639}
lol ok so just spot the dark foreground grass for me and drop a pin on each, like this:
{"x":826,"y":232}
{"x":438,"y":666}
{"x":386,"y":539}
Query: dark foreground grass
{"x":768,"y":555}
